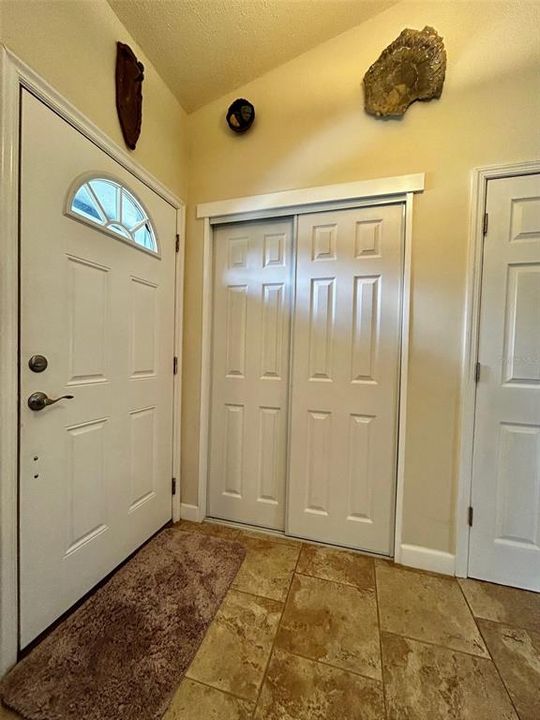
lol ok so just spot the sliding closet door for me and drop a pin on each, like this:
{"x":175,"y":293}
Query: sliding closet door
{"x":250,"y":372}
{"x":345,"y":377}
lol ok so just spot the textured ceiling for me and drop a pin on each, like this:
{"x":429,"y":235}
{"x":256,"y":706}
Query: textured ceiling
{"x":206,"y":48}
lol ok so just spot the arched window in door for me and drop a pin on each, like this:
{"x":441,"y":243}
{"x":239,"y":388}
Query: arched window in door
{"x":108,"y":205}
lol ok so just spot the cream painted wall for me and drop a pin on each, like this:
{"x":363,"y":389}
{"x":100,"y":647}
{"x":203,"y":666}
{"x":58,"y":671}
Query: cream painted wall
{"x":311,"y":130}
{"x":72,"y":45}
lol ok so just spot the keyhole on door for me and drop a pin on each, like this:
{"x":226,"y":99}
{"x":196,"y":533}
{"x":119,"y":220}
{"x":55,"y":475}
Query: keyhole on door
{"x":38,"y":363}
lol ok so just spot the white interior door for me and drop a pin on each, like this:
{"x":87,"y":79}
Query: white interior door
{"x":345,"y":377}
{"x":505,"y":535}
{"x":95,"y":471}
{"x":250,"y":374}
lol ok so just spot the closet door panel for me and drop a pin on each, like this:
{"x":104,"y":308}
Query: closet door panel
{"x":345,"y":375}
{"x":250,"y":372}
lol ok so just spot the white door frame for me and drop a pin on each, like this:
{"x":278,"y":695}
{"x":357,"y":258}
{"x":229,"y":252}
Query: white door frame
{"x":15,"y":75}
{"x":289,"y":203}
{"x":471,"y":329}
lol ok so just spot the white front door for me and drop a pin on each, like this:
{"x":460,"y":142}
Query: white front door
{"x":345,"y":375}
{"x":505,"y":535}
{"x":250,"y":374}
{"x":95,"y":470}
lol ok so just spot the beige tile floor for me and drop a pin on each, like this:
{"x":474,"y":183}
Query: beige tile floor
{"x":310,"y":633}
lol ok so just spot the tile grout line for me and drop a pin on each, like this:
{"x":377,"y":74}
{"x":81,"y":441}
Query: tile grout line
{"x":380,"y":639}
{"x":331,"y":580}
{"x":499,"y":674}
{"x":216,"y":689}
{"x":263,"y":678}
{"x":438,"y":645}
{"x":488,"y":650}
{"x":252,"y":594}
{"x":507,"y":623}
{"x":347,"y":671}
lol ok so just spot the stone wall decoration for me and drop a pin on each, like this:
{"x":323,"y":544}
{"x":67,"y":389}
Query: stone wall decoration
{"x":240,"y":115}
{"x":411,"y":68}
{"x":129,"y":77}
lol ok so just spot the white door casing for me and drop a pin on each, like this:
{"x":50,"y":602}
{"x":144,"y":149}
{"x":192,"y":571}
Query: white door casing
{"x":505,"y":535}
{"x":95,"y":471}
{"x":345,"y":377}
{"x":250,"y":372}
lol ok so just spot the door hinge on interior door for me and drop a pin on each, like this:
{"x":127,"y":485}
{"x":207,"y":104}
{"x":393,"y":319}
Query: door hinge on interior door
{"x":173,"y":486}
{"x":175,"y":365}
{"x":486,"y":222}
{"x":177,"y":246}
{"x":477,"y":371}
{"x":470,"y":516}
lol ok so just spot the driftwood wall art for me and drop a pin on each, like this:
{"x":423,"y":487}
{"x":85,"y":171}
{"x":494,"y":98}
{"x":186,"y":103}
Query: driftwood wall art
{"x":411,"y":68}
{"x":129,"y":78}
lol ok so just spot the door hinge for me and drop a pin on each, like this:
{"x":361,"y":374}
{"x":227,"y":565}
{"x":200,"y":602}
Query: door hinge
{"x":173,"y":486}
{"x":486,"y":222}
{"x":477,"y":371}
{"x":175,"y":365}
{"x":470,"y":516}
{"x":177,"y":242}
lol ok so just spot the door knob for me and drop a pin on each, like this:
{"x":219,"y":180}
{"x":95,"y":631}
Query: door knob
{"x":39,"y":400}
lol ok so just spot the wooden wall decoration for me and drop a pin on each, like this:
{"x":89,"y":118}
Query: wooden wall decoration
{"x":129,"y":78}
{"x":411,"y":68}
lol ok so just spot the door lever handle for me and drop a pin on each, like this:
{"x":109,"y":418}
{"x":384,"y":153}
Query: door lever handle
{"x":39,"y":400}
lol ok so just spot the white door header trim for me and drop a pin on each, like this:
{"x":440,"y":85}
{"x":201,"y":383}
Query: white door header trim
{"x":306,"y":197}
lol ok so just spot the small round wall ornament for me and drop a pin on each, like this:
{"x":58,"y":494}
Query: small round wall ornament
{"x":240,"y":115}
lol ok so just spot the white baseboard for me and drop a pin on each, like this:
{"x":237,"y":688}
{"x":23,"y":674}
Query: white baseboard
{"x":424,"y":558}
{"x":190,"y":512}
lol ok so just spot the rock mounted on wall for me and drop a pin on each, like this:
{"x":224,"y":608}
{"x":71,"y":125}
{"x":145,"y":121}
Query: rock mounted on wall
{"x":411,"y":68}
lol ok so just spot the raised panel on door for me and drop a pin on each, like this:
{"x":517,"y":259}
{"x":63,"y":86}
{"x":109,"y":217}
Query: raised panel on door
{"x":95,"y":470}
{"x":250,"y":372}
{"x":317,"y":462}
{"x":233,"y":451}
{"x":365,"y":327}
{"x":271,"y":466}
{"x":522,"y":329}
{"x":86,"y":507}
{"x":321,"y":328}
{"x":345,"y":375}
{"x":236,"y":330}
{"x":518,"y":517}
{"x":143,"y":328}
{"x":142,"y":456}
{"x":505,"y":535}
{"x":274,"y":312}
{"x":361,"y":480}
{"x":89,"y":322}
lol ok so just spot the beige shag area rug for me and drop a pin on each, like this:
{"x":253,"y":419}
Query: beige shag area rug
{"x":122,"y":654}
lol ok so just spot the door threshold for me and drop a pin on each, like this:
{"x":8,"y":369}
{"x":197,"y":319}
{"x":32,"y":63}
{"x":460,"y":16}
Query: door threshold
{"x":283,"y":535}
